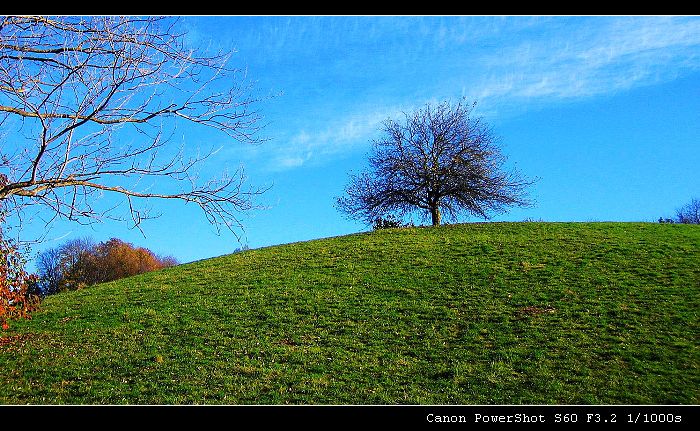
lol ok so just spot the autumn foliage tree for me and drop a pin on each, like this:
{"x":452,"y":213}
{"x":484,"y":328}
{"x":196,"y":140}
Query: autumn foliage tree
{"x":17,"y":298}
{"x":80,"y":263}
{"x":115,"y":259}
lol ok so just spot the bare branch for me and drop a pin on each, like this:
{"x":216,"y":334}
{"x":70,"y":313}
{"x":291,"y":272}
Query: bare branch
{"x":689,"y":213}
{"x":91,"y":97}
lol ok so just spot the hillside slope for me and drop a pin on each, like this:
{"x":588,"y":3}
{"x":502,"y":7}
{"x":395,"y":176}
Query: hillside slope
{"x":504,"y":313}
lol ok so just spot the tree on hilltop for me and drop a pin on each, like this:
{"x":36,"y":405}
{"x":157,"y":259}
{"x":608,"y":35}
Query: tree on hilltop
{"x":440,"y":161}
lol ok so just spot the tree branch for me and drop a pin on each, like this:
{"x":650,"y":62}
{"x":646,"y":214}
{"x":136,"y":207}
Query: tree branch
{"x":86,"y":94}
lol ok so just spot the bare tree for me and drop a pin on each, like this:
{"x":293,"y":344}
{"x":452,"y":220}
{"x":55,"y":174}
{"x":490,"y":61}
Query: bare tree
{"x":168,"y":261}
{"x":441,"y":160}
{"x":89,"y":106}
{"x":689,"y":213}
{"x":49,"y":270}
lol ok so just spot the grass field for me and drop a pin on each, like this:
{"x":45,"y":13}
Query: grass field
{"x":497,"y":313}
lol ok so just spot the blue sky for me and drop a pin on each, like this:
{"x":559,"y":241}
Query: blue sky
{"x":604,"y":110}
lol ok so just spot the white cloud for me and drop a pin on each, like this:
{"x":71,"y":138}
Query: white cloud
{"x":604,"y":56}
{"x":504,"y":63}
{"x":282,"y":163}
{"x":342,"y":136}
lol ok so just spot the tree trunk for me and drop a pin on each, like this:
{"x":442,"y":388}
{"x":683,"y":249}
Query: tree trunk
{"x":435,"y":213}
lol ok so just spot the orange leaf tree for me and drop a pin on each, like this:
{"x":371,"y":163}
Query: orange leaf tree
{"x":80,"y":263}
{"x":16,"y":297}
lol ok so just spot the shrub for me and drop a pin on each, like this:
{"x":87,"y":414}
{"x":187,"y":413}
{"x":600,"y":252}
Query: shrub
{"x":17,"y":287}
{"x":388,"y":222}
{"x":242,"y":248}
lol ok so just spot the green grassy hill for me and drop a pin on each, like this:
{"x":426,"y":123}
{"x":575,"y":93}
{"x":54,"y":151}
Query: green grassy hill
{"x":504,"y":313}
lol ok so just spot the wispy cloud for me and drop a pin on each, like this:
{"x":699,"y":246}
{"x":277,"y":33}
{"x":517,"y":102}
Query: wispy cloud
{"x":344,"y":135}
{"x":601,"y":57}
{"x":344,"y":76}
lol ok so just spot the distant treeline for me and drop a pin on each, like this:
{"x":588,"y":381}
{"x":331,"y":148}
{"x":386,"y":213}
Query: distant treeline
{"x":81,"y":262}
{"x":687,"y":214}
